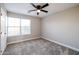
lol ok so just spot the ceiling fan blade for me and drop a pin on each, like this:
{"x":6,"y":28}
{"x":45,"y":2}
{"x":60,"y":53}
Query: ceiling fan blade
{"x":33,"y":5}
{"x":37,"y":13}
{"x":31,"y":11}
{"x":45,"y":5}
{"x":44,"y":11}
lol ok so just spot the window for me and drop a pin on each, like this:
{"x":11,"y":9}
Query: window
{"x":25,"y":26}
{"x":17,"y":26}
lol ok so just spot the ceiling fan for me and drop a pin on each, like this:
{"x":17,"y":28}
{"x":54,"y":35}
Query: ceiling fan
{"x":39,"y":8}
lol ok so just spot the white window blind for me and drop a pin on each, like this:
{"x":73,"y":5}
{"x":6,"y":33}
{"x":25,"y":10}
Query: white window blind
{"x":17,"y":26}
{"x":25,"y":26}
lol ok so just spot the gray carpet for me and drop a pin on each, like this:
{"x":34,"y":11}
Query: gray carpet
{"x":37,"y":47}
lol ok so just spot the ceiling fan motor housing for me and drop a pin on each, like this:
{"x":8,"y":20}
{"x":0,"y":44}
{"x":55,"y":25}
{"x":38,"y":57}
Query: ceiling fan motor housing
{"x":38,"y":7}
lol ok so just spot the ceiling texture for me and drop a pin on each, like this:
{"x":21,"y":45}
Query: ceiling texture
{"x":23,"y":8}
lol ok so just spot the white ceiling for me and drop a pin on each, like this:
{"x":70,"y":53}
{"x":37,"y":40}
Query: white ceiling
{"x":23,"y":8}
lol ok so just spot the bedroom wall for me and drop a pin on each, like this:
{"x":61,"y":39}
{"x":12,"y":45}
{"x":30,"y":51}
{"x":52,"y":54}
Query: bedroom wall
{"x":35,"y":28}
{"x":63,"y":28}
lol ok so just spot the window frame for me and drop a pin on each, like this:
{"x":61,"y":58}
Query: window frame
{"x":26,"y":26}
{"x":19,"y":27}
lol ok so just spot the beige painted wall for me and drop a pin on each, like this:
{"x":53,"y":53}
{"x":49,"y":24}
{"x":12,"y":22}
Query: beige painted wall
{"x":35,"y":28}
{"x":63,"y":27}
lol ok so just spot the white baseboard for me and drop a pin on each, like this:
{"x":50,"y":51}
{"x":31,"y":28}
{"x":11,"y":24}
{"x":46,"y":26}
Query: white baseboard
{"x":1,"y":52}
{"x":46,"y":39}
{"x":61,"y":44}
{"x":22,"y":40}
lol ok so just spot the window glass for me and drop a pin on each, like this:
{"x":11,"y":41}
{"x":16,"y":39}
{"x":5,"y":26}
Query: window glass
{"x":25,"y":30}
{"x":25,"y":22}
{"x":13,"y":21}
{"x":17,"y":26}
{"x":13,"y":31}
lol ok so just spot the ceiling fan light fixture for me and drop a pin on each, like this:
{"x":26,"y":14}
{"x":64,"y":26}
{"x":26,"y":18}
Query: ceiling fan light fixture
{"x":38,"y":11}
{"x":39,"y":8}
